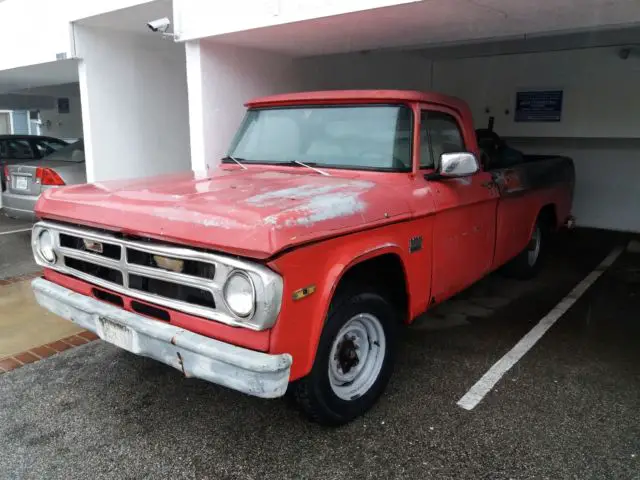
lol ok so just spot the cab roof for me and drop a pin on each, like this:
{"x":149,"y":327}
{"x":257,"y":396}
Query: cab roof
{"x":358,"y":96}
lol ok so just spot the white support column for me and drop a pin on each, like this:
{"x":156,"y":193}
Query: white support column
{"x":196,"y":110}
{"x":221,"y":79}
{"x":134,"y":104}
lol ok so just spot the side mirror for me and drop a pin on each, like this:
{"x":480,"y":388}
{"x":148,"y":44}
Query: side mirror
{"x":455,"y":165}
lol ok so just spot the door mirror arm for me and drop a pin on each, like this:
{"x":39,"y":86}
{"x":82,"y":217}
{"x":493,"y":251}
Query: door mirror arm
{"x":433,"y":176}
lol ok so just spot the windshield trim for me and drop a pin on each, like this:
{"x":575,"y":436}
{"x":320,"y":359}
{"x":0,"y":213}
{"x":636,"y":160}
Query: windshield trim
{"x":409,"y":169}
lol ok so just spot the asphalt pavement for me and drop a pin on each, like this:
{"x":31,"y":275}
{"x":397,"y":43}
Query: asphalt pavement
{"x":16,"y":258}
{"x":570,"y":409}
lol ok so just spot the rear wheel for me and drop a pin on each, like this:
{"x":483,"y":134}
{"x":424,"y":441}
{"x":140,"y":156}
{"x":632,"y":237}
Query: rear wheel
{"x":354,"y":360}
{"x":528,"y":263}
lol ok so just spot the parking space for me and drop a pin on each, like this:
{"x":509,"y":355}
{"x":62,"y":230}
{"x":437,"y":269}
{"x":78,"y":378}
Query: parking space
{"x":568,"y":409}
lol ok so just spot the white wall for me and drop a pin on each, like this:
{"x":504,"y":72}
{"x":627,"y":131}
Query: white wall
{"x":600,"y":127}
{"x":134,"y":104}
{"x":600,"y":90}
{"x":396,"y":70}
{"x":195,"y":19}
{"x":221,"y":79}
{"x":61,"y":125}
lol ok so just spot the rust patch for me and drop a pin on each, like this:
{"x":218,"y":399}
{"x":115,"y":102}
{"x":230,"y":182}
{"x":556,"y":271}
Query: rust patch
{"x":181,"y":362}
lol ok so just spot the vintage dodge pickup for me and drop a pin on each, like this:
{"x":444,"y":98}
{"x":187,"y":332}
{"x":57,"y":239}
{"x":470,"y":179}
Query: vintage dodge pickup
{"x":335,"y":219}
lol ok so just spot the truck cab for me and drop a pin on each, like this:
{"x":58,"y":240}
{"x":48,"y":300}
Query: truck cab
{"x":334,"y":219}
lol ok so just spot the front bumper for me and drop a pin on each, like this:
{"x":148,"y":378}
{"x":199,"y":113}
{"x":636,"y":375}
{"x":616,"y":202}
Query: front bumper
{"x":254,"y":373}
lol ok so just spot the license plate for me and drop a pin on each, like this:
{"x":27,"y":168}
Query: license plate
{"x":21,"y":183}
{"x":117,"y":334}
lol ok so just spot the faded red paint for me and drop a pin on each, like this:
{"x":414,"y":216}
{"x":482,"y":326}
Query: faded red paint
{"x":312,"y":228}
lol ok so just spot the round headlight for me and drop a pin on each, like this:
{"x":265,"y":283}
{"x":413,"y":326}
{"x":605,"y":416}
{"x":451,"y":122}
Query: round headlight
{"x":240,"y":294}
{"x":45,"y":246}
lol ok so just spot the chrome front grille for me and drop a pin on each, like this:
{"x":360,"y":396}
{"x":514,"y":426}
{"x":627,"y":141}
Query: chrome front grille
{"x":174,"y":277}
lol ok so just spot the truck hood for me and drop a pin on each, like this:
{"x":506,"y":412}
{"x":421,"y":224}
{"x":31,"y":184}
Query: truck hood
{"x":256,"y":212}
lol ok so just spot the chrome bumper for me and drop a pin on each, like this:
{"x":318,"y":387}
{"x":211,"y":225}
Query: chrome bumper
{"x":254,"y":373}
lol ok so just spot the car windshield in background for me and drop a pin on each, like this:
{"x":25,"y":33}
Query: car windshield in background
{"x":358,"y":137}
{"x":71,"y":153}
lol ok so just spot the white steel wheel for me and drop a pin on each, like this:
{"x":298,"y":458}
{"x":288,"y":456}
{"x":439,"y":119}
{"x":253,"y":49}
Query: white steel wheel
{"x":533,"y":251}
{"x":356,"y":357}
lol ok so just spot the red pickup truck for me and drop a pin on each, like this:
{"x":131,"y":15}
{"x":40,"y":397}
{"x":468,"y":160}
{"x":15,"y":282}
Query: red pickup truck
{"x":335,"y":218}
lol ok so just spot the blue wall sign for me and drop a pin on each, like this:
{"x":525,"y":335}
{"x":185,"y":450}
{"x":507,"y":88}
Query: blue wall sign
{"x":539,"y":106}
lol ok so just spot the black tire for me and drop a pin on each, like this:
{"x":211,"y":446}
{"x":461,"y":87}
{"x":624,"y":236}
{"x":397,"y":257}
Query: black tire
{"x":314,"y":393}
{"x":523,"y":266}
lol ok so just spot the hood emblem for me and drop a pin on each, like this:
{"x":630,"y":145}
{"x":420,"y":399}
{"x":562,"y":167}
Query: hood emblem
{"x":171,"y":264}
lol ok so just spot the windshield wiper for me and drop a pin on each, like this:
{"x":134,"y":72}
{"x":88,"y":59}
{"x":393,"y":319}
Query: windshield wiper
{"x":321,"y":172}
{"x":229,"y":157}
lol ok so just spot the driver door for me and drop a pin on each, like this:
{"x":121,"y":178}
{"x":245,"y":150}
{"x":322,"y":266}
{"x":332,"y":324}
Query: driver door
{"x":465,"y":220}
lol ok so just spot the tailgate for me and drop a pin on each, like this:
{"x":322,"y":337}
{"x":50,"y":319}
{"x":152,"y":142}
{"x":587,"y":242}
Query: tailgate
{"x":22,"y":180}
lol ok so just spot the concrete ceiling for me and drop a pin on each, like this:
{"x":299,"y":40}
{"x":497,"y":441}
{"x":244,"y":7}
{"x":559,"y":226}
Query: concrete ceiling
{"x":438,"y":22}
{"x":131,"y":19}
{"x":39,"y":75}
{"x":622,"y":38}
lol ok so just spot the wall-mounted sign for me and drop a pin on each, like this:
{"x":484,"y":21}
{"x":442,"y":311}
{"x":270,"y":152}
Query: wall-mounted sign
{"x":63,"y":105}
{"x":539,"y":106}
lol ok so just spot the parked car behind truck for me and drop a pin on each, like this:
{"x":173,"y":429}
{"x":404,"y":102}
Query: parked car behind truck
{"x":336,"y":218}
{"x":26,"y":181}
{"x":25,"y":148}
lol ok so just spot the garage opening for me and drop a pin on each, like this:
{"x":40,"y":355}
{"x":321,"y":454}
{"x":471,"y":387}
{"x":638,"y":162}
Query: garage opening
{"x":587,"y":75}
{"x":41,"y":133}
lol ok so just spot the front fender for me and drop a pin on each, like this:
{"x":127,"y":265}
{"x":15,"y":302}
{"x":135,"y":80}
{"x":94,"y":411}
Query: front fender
{"x":322,"y":265}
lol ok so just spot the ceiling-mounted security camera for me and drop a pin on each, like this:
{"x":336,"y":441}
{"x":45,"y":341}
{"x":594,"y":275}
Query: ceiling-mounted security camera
{"x":160,"y":25}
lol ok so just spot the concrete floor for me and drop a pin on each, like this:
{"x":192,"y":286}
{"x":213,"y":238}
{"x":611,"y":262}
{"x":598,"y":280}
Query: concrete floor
{"x":16,"y":258}
{"x":569,"y":409}
{"x":23,"y":323}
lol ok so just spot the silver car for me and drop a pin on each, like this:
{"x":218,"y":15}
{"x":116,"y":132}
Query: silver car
{"x":25,"y":148}
{"x":26,"y":181}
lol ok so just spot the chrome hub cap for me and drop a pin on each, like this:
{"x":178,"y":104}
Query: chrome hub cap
{"x":533,"y":252}
{"x":356,"y":357}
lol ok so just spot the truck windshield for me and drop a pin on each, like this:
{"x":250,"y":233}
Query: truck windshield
{"x":361,"y":137}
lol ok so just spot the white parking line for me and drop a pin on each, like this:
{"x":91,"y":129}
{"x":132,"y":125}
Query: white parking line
{"x":16,"y":231}
{"x":483,"y":386}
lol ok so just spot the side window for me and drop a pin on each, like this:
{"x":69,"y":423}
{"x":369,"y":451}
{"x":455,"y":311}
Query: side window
{"x":20,"y":150}
{"x":444,"y":133}
{"x":4,"y":152}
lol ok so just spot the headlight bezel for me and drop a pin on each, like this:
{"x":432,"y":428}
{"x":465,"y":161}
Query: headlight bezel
{"x":38,"y":246}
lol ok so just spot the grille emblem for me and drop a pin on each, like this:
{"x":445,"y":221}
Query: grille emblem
{"x":171,"y":264}
{"x":93,"y":246}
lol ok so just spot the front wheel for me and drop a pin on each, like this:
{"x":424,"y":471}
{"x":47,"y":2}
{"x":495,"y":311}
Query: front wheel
{"x":354,"y":360}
